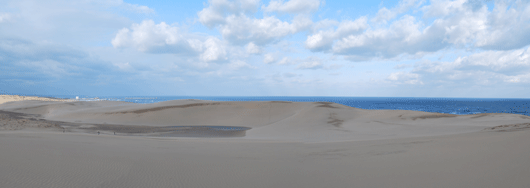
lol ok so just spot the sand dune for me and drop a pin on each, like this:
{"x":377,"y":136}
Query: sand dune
{"x":288,"y":121}
{"x":281,"y":144}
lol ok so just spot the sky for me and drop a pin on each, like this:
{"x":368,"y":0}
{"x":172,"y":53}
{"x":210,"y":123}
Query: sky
{"x":408,"y":48}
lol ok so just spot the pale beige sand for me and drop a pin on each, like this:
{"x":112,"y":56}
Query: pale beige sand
{"x":12,"y":98}
{"x":285,"y":121}
{"x":289,"y":145}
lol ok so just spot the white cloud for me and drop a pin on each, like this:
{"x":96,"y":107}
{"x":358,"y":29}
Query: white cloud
{"x":484,"y":68}
{"x":242,"y":29}
{"x":456,"y":24}
{"x":156,"y":38}
{"x":217,"y":10}
{"x":70,"y":33}
{"x":403,"y":36}
{"x":405,"y":78}
{"x":236,"y":26}
{"x":163,"y":38}
{"x":384,"y":14}
{"x":292,"y":6}
{"x":268,"y":58}
{"x":323,"y":40}
{"x":253,"y":49}
{"x":138,"y":8}
{"x":524,"y":78}
{"x":285,"y":61}
{"x":213,"y":50}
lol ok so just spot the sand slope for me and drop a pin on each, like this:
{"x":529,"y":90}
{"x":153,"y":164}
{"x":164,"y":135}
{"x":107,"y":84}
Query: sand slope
{"x":483,"y":159}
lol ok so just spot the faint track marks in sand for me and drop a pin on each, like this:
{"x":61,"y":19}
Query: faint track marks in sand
{"x":164,"y":108}
{"x":511,"y":127}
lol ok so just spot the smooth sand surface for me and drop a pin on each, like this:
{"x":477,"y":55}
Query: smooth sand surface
{"x":12,"y":98}
{"x":287,"y":145}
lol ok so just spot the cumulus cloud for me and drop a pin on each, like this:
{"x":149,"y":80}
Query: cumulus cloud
{"x":323,"y":40}
{"x":292,"y":6}
{"x":242,"y":29}
{"x":268,"y":58}
{"x":156,"y":38}
{"x":213,"y":50}
{"x":285,"y":61}
{"x":503,"y":62}
{"x":237,"y":26}
{"x":251,"y":48}
{"x":484,"y":68}
{"x":456,"y":24}
{"x":403,"y":36}
{"x":384,"y":14}
{"x":218,"y":10}
{"x":163,"y":38}
{"x":138,"y":8}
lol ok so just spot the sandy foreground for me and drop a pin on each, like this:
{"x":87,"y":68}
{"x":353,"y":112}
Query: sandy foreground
{"x":194,"y":143}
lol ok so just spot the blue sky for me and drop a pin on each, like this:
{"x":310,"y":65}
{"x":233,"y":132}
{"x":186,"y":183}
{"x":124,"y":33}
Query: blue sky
{"x":409,"y":48}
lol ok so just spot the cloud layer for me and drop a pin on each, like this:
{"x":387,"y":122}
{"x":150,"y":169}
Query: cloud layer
{"x":273,"y":47}
{"x":455,"y":24}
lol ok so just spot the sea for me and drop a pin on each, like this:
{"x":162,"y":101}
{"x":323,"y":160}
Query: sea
{"x":459,"y":106}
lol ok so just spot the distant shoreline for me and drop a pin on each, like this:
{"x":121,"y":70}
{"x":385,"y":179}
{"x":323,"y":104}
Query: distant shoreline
{"x":436,"y":105}
{"x":12,"y":98}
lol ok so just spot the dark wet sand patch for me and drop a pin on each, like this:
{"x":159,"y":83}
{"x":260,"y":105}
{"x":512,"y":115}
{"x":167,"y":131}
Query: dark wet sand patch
{"x":333,"y":120}
{"x":511,"y":127}
{"x":326,"y":105}
{"x":280,"y":102}
{"x":169,"y":131}
{"x":434,"y":116}
{"x":18,"y":121}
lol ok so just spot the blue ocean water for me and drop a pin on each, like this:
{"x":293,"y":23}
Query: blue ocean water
{"x":459,"y":106}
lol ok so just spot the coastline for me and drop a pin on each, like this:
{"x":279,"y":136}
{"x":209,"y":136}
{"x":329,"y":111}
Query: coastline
{"x":13,"y":98}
